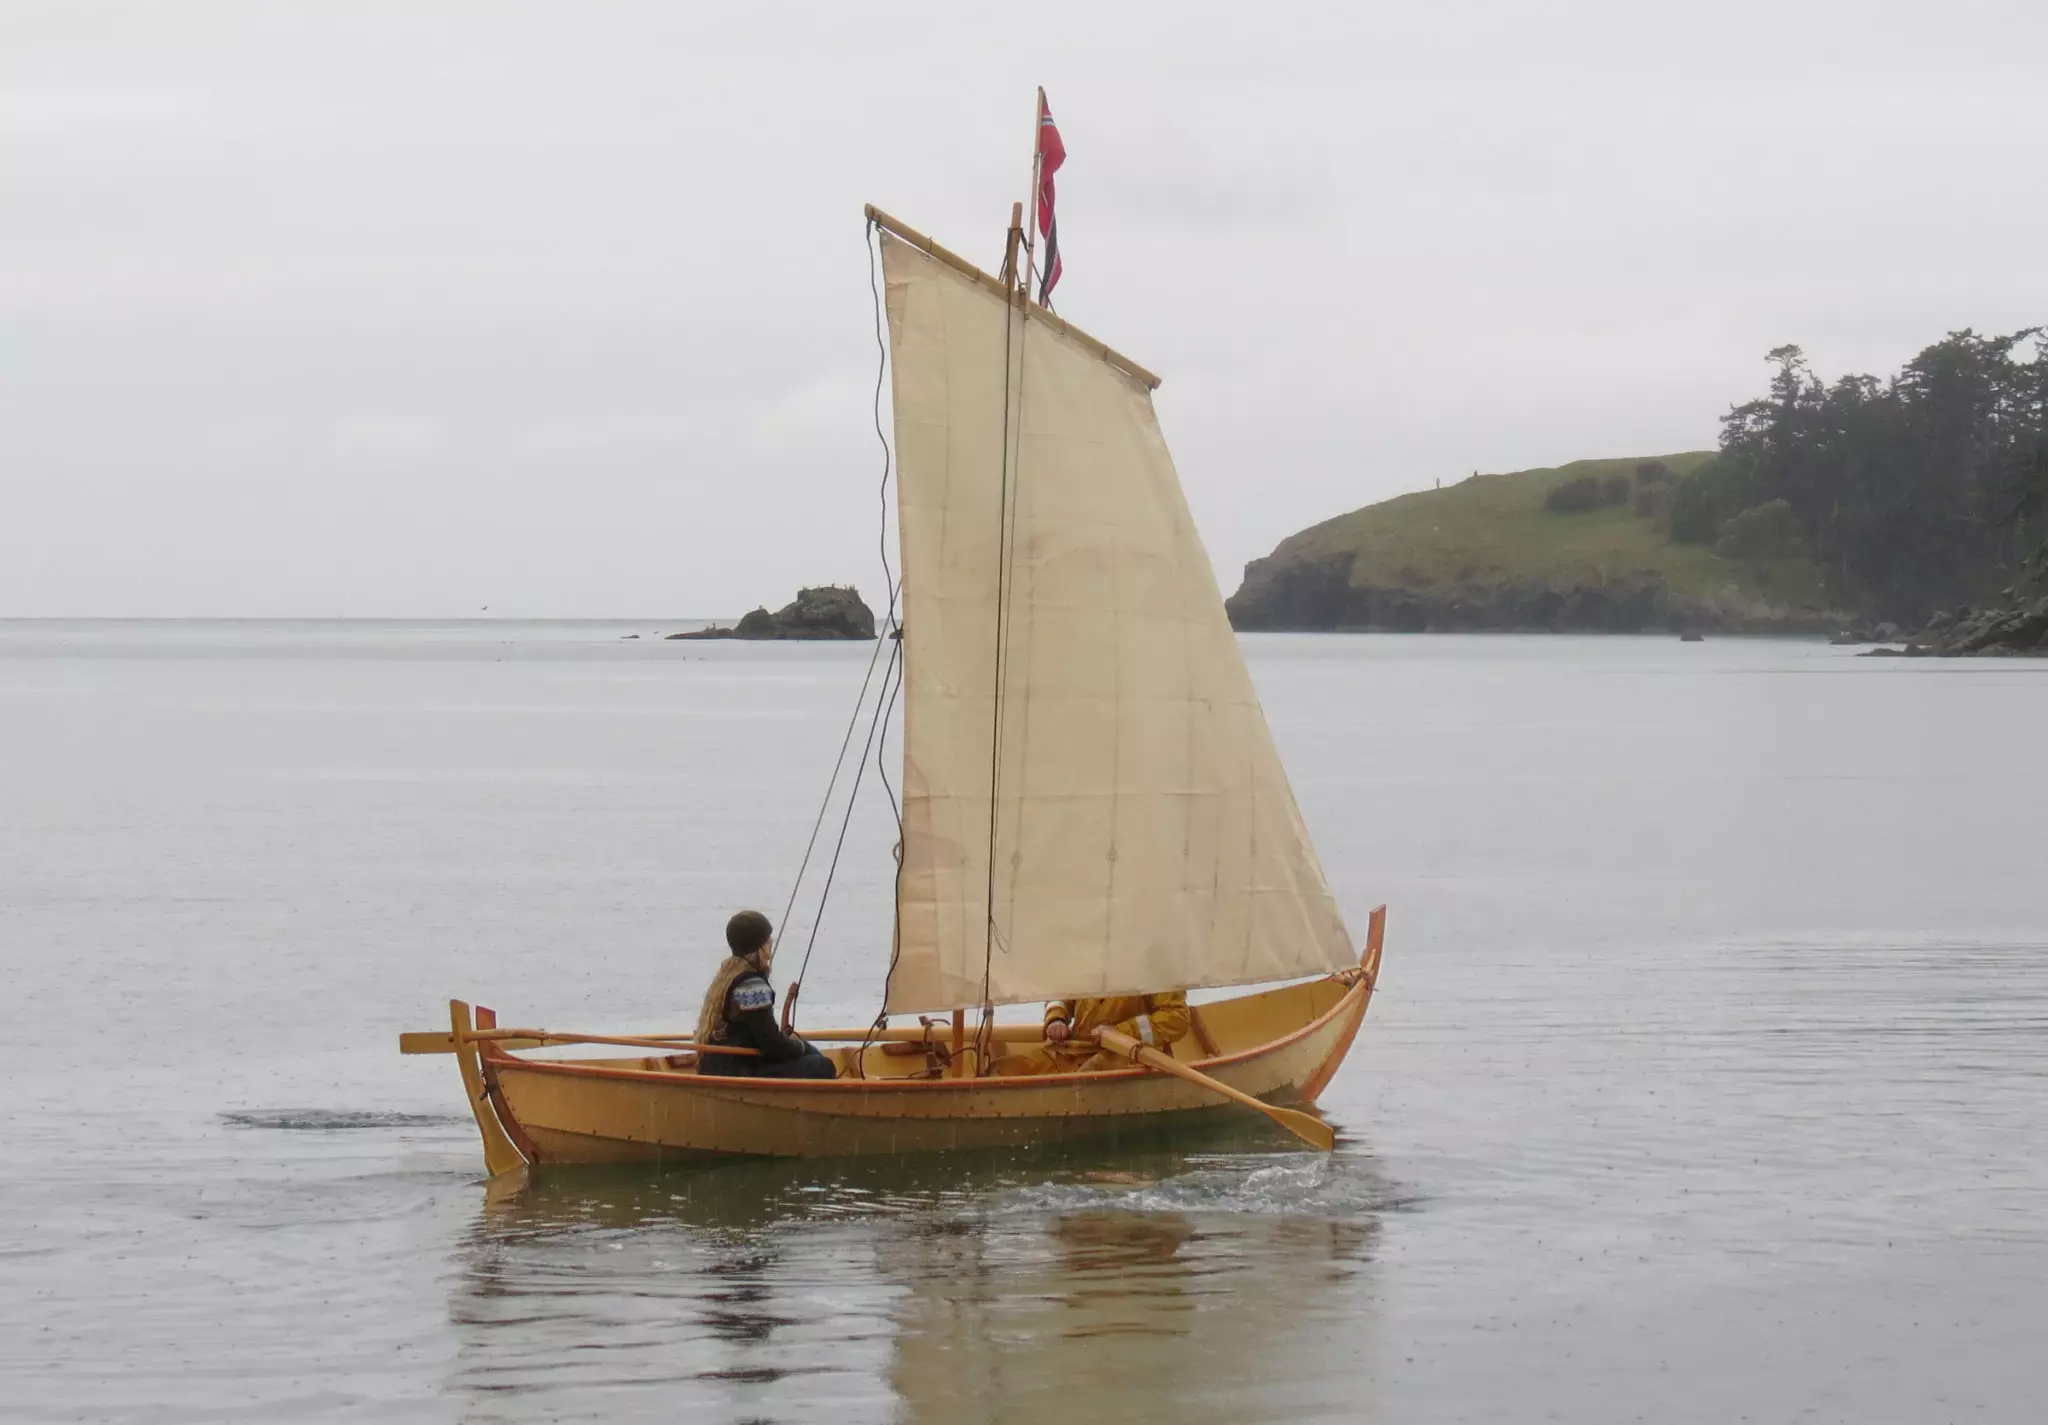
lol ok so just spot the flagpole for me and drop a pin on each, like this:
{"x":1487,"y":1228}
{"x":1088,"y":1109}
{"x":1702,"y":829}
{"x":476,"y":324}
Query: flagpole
{"x":1037,"y":157}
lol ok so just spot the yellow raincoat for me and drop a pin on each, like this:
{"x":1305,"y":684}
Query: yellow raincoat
{"x":1156,"y":1020}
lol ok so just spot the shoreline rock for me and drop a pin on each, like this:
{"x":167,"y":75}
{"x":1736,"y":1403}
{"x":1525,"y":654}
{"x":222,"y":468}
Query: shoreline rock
{"x":830,"y":611}
{"x":2019,"y":630}
{"x":1878,"y":633}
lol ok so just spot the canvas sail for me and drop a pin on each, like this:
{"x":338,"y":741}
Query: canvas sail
{"x":1144,"y":834}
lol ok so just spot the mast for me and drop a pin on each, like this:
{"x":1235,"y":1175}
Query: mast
{"x":1017,"y":298}
{"x":1009,"y":272}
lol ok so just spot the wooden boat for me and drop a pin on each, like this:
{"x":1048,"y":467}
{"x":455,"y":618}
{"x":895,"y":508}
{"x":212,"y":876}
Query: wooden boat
{"x":1092,"y":802}
{"x":1283,"y":1045}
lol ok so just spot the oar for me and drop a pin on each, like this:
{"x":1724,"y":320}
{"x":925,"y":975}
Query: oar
{"x":442,"y":1042}
{"x":1307,"y":1127}
{"x":664,"y":1042}
{"x":434,"y":1043}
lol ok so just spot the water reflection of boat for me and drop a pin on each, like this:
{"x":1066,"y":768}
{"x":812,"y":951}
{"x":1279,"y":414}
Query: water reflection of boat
{"x":1093,"y":804}
{"x":1186,"y":1315}
{"x":1163,"y":1284}
{"x":613,"y":1289}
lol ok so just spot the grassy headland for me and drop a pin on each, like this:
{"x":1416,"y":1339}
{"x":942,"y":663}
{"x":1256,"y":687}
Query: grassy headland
{"x":1917,"y":499}
{"x":1512,"y":551}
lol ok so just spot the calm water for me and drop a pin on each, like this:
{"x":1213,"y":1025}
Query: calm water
{"x":1709,"y":1081}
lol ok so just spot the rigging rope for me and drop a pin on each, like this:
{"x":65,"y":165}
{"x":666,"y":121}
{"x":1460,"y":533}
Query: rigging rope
{"x":838,"y":766}
{"x":852,"y":798}
{"x":883,"y":636}
{"x":885,"y":711}
{"x":885,"y":705}
{"x":882,"y":547}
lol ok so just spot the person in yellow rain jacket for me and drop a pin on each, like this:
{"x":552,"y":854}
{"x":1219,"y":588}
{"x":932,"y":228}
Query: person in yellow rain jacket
{"x":1070,"y":1047}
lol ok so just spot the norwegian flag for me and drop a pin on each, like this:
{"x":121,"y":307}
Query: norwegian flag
{"x":1051,"y":154}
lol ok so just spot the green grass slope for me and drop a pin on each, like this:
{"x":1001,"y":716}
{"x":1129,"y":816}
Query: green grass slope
{"x":1469,"y":541}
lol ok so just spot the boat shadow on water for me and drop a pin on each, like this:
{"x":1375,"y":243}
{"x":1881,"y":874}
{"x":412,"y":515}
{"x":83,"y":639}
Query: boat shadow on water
{"x":1172,"y":1277}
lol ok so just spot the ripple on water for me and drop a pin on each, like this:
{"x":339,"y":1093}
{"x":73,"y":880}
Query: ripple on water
{"x":330,"y":1120}
{"x":1278,"y":1185}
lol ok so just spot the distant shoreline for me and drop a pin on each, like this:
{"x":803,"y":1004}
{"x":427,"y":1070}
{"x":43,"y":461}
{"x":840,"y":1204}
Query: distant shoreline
{"x":607,"y":621}
{"x":653,"y":628}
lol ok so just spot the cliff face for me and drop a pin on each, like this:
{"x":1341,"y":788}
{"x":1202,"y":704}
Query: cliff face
{"x":1584,"y":547}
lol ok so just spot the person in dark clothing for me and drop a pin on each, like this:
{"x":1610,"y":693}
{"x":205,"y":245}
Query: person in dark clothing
{"x":739,"y":1010}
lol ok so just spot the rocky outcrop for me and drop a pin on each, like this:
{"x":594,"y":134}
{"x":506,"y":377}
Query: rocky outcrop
{"x":826,"y":612}
{"x":2020,"y":628}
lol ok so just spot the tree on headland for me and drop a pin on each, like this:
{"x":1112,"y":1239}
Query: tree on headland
{"x":1923,"y":490}
{"x":2030,"y":502}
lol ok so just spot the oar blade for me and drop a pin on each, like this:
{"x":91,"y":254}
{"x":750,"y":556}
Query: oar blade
{"x":1305,"y":1126}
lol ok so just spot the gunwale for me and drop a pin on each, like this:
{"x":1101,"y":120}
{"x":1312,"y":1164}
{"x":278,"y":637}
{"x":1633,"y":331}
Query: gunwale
{"x":751,"y":1086}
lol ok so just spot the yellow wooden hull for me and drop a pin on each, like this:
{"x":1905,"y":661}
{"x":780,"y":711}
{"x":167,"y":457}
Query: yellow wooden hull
{"x":1280,"y":1045}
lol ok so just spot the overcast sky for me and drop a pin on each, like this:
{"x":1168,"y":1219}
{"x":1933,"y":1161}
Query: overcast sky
{"x":388,"y":309}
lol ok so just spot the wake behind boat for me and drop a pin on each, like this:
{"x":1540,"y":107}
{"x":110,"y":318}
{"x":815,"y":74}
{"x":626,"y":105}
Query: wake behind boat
{"x":1092,"y":801}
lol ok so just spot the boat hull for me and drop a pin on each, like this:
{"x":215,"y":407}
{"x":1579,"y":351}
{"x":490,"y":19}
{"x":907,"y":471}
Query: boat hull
{"x":1281,"y":1045}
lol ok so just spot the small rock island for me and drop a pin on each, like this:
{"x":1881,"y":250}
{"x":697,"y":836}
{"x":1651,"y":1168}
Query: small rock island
{"x":829,"y":611}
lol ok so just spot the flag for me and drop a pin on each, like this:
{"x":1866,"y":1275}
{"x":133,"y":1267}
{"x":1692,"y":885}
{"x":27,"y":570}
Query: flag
{"x":1051,"y":154}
